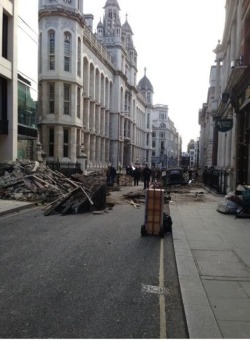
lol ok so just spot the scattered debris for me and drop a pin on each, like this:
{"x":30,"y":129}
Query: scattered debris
{"x":100,"y":212}
{"x":135,"y":205}
{"x":138,"y":194}
{"x":27,"y":181}
{"x":124,"y":180}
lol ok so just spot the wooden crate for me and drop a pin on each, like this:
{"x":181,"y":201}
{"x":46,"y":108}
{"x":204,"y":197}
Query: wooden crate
{"x":154,"y":211}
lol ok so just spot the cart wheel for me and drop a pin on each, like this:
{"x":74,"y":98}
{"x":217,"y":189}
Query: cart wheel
{"x":143,"y":230}
{"x":161,"y":234}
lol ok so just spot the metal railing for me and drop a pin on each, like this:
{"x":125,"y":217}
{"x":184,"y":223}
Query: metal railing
{"x":216,"y":180}
{"x":67,"y":169}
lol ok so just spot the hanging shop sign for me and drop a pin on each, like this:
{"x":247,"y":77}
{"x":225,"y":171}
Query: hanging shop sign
{"x":224,"y":125}
{"x":225,"y":97}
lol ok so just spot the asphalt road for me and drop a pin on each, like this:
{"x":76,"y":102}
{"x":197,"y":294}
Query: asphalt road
{"x":86,"y":276}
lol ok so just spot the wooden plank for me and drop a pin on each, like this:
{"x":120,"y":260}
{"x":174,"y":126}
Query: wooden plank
{"x":57,"y":205}
{"x":43,"y":181}
{"x":90,"y":201}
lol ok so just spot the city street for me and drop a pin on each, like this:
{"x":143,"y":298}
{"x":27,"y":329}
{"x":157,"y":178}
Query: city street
{"x":87,"y":276}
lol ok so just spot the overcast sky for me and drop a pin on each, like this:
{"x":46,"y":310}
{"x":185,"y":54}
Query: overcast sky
{"x":174,"y":42}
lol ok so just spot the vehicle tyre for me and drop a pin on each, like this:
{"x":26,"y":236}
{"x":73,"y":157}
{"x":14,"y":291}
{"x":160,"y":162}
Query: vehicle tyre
{"x":161,"y":234}
{"x":143,"y":230}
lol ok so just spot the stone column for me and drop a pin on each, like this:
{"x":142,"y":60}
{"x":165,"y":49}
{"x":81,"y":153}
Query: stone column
{"x":73,"y":144}
{"x":98,"y":149}
{"x":59,"y":142}
{"x":93,"y":148}
{"x":87,"y":145}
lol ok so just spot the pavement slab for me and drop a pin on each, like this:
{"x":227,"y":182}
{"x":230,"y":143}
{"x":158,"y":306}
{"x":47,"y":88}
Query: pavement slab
{"x":231,"y":309}
{"x":235,"y":329}
{"x":224,"y":289}
{"x":246,"y":286}
{"x":201,"y":322}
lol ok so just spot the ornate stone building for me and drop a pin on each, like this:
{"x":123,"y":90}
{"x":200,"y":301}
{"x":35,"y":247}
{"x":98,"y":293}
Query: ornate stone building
{"x":89,"y":102}
{"x":165,"y":139}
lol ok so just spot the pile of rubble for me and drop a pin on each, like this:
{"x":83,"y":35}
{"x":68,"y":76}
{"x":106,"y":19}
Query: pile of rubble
{"x":28,"y":181}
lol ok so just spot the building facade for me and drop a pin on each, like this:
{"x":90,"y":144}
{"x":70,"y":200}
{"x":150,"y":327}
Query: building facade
{"x":193,"y":152}
{"x":206,"y":122}
{"x":18,"y":81}
{"x":165,"y":139}
{"x":230,"y":106}
{"x":89,"y":102}
{"x":8,"y":79}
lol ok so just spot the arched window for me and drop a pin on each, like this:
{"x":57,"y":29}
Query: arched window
{"x":51,"y":37}
{"x":67,"y":51}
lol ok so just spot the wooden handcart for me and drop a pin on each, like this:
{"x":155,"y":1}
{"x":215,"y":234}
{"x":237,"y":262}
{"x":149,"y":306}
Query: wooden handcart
{"x":154,"y":207}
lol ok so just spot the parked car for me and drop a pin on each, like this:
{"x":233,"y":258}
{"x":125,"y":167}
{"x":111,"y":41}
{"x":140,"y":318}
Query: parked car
{"x":174,"y":176}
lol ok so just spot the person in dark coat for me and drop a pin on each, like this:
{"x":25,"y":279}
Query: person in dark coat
{"x":146,"y":176}
{"x":136,"y":175}
{"x":112,"y":174}
{"x":129,"y":170}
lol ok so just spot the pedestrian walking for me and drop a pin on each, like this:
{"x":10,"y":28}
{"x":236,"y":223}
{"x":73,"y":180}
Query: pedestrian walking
{"x":146,"y":176}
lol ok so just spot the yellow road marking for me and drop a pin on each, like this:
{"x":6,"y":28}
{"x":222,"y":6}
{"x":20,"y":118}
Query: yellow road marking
{"x":163,"y":328}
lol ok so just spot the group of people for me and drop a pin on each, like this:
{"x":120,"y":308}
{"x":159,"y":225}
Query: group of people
{"x":138,"y":173}
{"x":143,"y":174}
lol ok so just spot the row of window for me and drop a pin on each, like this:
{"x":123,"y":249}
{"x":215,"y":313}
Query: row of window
{"x":67,"y":91}
{"x":162,"y":135}
{"x":66,"y":135}
{"x":67,"y":52}
{"x":68,"y":1}
{"x":162,"y":145}
{"x":66,"y":99}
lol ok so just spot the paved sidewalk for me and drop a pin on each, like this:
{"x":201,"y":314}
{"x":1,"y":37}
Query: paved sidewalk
{"x":213,"y":260}
{"x":9,"y":206}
